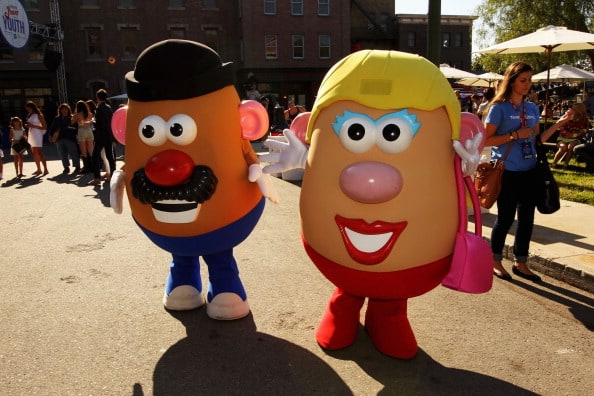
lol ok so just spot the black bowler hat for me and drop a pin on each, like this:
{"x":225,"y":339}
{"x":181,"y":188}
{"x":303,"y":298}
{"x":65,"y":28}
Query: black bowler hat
{"x":177,"y":69}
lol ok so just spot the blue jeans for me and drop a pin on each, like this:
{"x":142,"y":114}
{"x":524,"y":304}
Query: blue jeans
{"x":67,"y":147}
{"x":517,"y":195}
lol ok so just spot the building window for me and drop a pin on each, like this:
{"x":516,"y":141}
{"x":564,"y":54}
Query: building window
{"x":297,"y":7}
{"x":446,"y":40}
{"x":178,"y":32}
{"x":269,"y":7}
{"x":411,"y":40}
{"x":324,"y":7}
{"x":371,"y":21}
{"x":271,"y":46}
{"x":211,"y":38}
{"x":94,"y":42}
{"x":298,"y":46}
{"x":209,"y":4}
{"x":126,"y":4}
{"x":176,"y":3}
{"x":385,"y":19}
{"x":458,"y":40}
{"x":129,"y":36}
{"x":324,"y":43}
{"x":89,"y":3}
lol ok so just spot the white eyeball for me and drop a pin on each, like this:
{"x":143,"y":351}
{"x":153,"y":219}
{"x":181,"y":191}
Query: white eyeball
{"x":152,"y":131}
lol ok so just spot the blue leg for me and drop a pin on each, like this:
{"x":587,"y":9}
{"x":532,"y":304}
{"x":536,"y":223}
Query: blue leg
{"x":183,"y":290}
{"x":226,"y":296}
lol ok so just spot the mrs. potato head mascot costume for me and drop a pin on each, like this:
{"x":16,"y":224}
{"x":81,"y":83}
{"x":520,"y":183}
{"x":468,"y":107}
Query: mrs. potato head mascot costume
{"x":194,"y":184}
{"x":379,"y":203}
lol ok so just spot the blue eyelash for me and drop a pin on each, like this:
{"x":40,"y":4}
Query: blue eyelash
{"x":411,"y":119}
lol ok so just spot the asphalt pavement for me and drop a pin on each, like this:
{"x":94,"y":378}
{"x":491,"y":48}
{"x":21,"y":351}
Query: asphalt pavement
{"x":81,"y":289}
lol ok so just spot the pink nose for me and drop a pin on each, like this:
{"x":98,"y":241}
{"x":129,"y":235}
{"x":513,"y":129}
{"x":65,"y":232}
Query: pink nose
{"x":169,"y":168}
{"x":371,"y":182}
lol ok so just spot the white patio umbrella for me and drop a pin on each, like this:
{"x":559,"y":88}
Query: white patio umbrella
{"x":451,"y":72}
{"x":563,"y":73}
{"x":481,"y":80}
{"x":546,"y":40}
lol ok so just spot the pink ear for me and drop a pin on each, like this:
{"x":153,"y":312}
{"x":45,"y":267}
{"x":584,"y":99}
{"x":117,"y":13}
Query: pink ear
{"x":470,"y":126}
{"x":254,"y":119}
{"x":118,"y":124}
{"x":299,"y":125}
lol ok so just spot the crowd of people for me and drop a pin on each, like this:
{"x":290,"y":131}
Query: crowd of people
{"x":84,"y":135}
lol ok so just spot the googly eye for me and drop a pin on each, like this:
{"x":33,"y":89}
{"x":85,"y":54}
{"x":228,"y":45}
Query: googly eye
{"x":356,"y":133}
{"x":394,"y":135}
{"x":182,"y":129}
{"x":152,"y":131}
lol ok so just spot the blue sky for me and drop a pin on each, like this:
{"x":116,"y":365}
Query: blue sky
{"x":448,"y":7}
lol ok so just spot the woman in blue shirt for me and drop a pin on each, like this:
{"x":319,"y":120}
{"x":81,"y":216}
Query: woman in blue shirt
{"x":514,"y":121}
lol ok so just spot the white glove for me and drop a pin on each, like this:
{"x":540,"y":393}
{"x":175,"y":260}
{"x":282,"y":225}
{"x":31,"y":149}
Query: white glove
{"x":469,"y":153}
{"x":117,"y":185}
{"x":291,"y":154}
{"x":255,"y":175}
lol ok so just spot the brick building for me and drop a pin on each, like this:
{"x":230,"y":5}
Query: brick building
{"x":283,"y":48}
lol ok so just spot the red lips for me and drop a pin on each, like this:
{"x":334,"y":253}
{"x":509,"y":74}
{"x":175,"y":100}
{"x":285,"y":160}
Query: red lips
{"x":366,"y":243}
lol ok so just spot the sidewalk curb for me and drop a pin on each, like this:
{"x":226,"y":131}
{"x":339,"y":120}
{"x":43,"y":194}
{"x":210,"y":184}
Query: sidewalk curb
{"x":549,"y":267}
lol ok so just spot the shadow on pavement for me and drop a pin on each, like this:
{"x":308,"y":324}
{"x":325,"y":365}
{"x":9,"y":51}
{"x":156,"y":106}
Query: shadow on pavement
{"x":421,"y":375}
{"x":232,"y":357}
{"x":580,"y":305}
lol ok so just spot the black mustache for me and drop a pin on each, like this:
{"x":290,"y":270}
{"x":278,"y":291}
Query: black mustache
{"x":199,"y":188}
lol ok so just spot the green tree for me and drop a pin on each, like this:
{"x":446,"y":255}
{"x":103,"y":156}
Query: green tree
{"x":503,"y":20}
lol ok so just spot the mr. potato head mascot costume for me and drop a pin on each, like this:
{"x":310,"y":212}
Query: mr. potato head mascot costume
{"x":194,"y":184}
{"x":379,"y":201}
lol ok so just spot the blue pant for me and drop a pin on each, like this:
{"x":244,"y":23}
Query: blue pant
{"x":66,"y":148}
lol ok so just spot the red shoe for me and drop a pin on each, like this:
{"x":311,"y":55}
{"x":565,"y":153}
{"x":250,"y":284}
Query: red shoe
{"x":340,"y":323}
{"x":389,"y":329}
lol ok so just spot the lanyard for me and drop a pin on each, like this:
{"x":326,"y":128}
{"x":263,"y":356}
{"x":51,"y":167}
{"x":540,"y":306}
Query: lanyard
{"x":522,"y":115}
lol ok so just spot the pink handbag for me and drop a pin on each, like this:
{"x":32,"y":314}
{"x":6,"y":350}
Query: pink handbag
{"x":471,"y":270}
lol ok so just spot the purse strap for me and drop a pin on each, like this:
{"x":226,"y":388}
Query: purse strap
{"x":509,"y":146}
{"x":463,"y":184}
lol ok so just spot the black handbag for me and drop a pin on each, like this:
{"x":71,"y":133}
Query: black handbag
{"x":548,"y":195}
{"x":20,"y":146}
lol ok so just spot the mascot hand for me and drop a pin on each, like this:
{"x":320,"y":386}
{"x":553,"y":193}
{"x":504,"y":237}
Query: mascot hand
{"x":289,"y":153}
{"x":469,"y":153}
{"x":117,"y":186}
{"x":263,"y":180}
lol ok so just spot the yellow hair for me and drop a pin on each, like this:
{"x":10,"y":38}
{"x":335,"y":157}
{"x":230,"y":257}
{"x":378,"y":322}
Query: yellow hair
{"x":387,"y":80}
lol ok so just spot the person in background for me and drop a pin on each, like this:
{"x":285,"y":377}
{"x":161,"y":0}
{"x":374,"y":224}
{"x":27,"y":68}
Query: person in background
{"x":590,"y":105}
{"x":83,"y":118}
{"x":571,"y":132}
{"x":293,"y":111}
{"x":584,"y":151}
{"x":475,"y":101}
{"x":103,"y":139}
{"x":488,"y":95}
{"x":513,"y":121}
{"x":17,"y":132}
{"x":37,"y":127}
{"x":66,"y":139}
{"x":266,"y":101}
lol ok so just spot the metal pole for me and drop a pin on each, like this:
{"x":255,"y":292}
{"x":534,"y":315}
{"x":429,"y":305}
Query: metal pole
{"x":433,"y":25}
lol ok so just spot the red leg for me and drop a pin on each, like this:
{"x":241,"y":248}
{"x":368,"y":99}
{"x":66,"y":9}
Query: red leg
{"x":388,"y":326}
{"x":340,"y":323}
